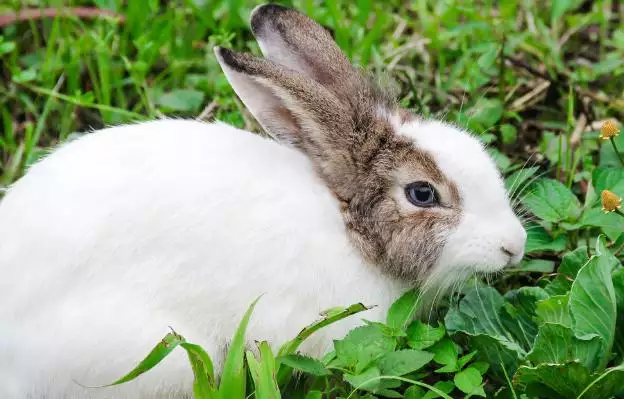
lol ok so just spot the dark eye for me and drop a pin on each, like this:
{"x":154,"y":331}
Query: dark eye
{"x":421,"y":194}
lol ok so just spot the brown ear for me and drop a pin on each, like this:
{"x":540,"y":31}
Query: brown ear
{"x":290,"y":38}
{"x":295,"y":109}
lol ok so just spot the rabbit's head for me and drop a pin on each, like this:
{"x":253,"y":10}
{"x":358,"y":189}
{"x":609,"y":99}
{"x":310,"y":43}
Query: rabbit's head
{"x":419,"y":198}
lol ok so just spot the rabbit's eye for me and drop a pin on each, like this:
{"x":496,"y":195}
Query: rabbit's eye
{"x":421,"y":194}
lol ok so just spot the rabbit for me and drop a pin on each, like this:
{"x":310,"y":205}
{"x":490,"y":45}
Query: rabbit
{"x":120,"y":234}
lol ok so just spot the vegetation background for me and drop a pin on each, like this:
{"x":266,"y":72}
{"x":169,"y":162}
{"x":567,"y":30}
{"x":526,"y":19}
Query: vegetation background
{"x":535,"y":80}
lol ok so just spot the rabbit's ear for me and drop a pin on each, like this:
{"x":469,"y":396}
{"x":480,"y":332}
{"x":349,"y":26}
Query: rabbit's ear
{"x":291,"y":107}
{"x":290,"y":38}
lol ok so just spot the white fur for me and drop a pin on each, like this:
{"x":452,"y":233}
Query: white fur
{"x":120,"y":234}
{"x":488,"y":222}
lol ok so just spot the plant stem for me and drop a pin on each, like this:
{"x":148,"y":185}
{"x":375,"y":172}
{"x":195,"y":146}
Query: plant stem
{"x":616,"y":150}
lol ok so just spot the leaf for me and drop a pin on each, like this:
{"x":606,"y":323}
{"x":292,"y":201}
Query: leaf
{"x":539,"y":240}
{"x":403,"y":362}
{"x":445,"y":353}
{"x":552,"y":201}
{"x":305,"y":364}
{"x":402,"y":310}
{"x":479,"y":317}
{"x":443,"y":386}
{"x":537,"y":266}
{"x":314,"y":395}
{"x":608,"y":157}
{"x":560,"y":381}
{"x":485,"y":113}
{"x":362,"y":346}
{"x":181,"y":100}
{"x":204,"y":386}
{"x":559,"y":7}
{"x":233,"y":381}
{"x":605,"y":385}
{"x":556,"y":343}
{"x":611,"y":179}
{"x":554,"y":310}
{"x":519,"y":320}
{"x":509,"y":133}
{"x":263,"y":373}
{"x":156,"y":355}
{"x":514,"y":183}
{"x":422,"y":336}
{"x":368,"y":380}
{"x":469,"y":381}
{"x":592,"y":300}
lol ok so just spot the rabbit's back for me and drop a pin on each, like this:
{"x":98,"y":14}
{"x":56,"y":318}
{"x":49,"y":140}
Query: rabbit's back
{"x":118,"y":235}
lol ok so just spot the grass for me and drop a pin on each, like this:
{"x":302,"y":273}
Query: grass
{"x":535,"y":80}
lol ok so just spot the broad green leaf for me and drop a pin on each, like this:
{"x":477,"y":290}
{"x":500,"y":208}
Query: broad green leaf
{"x":181,"y":100}
{"x":573,"y":261}
{"x":537,"y":266}
{"x":233,"y":381}
{"x":608,"y":158}
{"x":368,"y":380}
{"x":559,"y":7}
{"x":611,"y":223}
{"x":414,"y":392}
{"x":539,"y":240}
{"x":485,"y":113}
{"x":204,"y":386}
{"x":462,"y":361}
{"x":554,"y":310}
{"x":362,"y":346}
{"x":556,"y":343}
{"x":469,"y":381}
{"x":611,"y":179}
{"x":557,"y":381}
{"x":552,"y":201}
{"x":305,"y":364}
{"x":156,"y":355}
{"x":592,"y":300}
{"x":402,"y":362}
{"x":402,"y":310}
{"x":605,"y":385}
{"x":445,"y":353}
{"x":519,"y":319}
{"x":618,"y":287}
{"x":422,"y":336}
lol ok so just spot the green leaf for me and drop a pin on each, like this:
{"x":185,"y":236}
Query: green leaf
{"x":305,"y":364}
{"x":605,"y":385}
{"x":539,"y":240}
{"x":403,"y":362}
{"x":181,"y":100}
{"x":233,"y":381}
{"x":469,"y":381}
{"x":445,"y":353}
{"x":204,"y":386}
{"x":485,"y":113}
{"x":508,"y":133}
{"x":263,"y":373}
{"x":558,"y":381}
{"x":537,"y":266}
{"x":560,"y":7}
{"x":314,"y":395}
{"x":156,"y":355}
{"x":515,"y":182}
{"x":402,"y":310}
{"x":608,"y":157}
{"x":422,"y":336}
{"x":611,"y":179}
{"x":592,"y":300}
{"x":552,"y":201}
{"x":443,"y":386}
{"x":362,"y":346}
{"x":554,"y":310}
{"x":368,"y":380}
{"x":556,"y":343}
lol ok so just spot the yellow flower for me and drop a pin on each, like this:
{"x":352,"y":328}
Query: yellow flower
{"x":609,"y":129}
{"x":610,"y":201}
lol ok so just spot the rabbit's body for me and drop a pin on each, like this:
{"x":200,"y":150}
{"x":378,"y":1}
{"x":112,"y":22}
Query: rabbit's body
{"x":207,"y":228}
{"x":116,"y":236}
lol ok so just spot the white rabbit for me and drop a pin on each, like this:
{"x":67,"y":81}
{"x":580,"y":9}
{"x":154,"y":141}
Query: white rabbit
{"x":126,"y":231}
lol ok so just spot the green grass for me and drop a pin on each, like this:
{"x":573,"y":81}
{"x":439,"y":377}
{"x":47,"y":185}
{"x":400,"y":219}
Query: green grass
{"x":535,"y":80}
